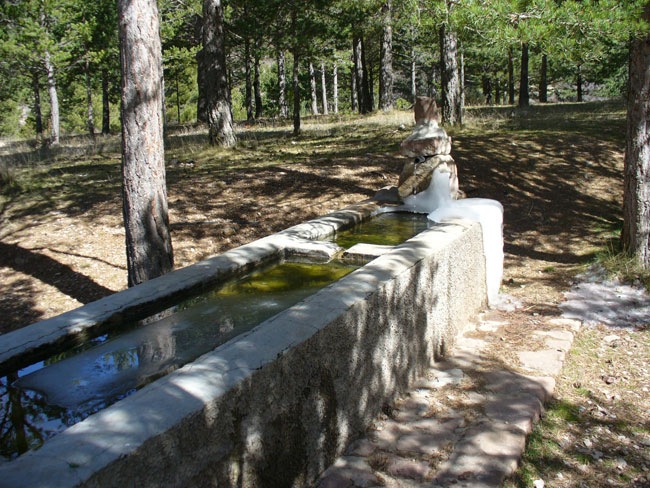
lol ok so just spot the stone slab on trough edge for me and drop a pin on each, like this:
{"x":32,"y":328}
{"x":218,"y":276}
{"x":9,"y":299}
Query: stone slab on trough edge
{"x":277,"y":405}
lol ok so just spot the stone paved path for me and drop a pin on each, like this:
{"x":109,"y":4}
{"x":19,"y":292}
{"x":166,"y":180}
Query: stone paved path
{"x":465,"y":423}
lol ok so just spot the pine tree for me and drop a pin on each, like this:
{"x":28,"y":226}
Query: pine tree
{"x":148,"y":241}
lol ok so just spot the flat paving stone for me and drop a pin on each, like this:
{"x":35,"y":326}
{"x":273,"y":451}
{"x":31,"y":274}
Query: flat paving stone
{"x":354,"y":470}
{"x":521,"y":411}
{"x":399,"y":467}
{"x":547,"y":361}
{"x":509,"y":383}
{"x":487,"y":454}
{"x":361,"y":447}
{"x":464,"y":424}
{"x":430,"y":440}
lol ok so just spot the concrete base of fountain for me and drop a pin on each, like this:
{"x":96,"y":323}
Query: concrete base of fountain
{"x":274,"y":406}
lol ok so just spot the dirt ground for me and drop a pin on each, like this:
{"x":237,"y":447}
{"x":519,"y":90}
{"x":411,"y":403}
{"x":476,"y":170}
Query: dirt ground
{"x":558,"y":173}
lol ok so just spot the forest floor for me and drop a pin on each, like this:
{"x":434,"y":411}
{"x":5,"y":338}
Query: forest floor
{"x":557,"y":169}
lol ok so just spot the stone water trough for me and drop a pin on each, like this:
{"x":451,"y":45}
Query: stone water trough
{"x":274,"y":406}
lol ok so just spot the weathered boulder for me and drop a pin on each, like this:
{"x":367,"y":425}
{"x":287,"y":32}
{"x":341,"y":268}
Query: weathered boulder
{"x":427,"y":138}
{"x":416,"y":176}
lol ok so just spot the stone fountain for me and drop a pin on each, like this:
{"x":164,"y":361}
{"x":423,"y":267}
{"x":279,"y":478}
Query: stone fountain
{"x":275,"y":405}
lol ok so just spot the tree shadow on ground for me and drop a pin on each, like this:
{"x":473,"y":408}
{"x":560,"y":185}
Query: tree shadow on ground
{"x":44,"y":268}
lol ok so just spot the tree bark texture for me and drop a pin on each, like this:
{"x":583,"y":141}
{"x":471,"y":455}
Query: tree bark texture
{"x":296,"y":80}
{"x":178,"y":100}
{"x":368,"y":101}
{"x":524,"y":97}
{"x":54,"y":100}
{"x":511,"y":79}
{"x":335,"y":88}
{"x":249,"y":84}
{"x":361,"y":75}
{"x":148,"y":242}
{"x":202,"y":102}
{"x":636,"y":201}
{"x":282,"y":85}
{"x":323,"y":84}
{"x":579,"y":83}
{"x":37,"y":104}
{"x":354,"y":88}
{"x":449,"y":80}
{"x":106,"y":105}
{"x":461,"y":81}
{"x":90,"y":115}
{"x":487,"y":89}
{"x":543,"y":80}
{"x":256,"y":84}
{"x":312,"y":89}
{"x":432,"y":79}
{"x":386,"y":70}
{"x":414,"y":88}
{"x":371,"y":87}
{"x":219,"y":110}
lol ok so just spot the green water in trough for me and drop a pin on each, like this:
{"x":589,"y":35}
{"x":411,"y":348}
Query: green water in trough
{"x":47,"y":397}
{"x":388,"y":229}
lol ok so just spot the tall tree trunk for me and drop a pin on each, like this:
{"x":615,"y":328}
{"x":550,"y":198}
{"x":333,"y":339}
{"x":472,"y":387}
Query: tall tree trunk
{"x":54,"y":101}
{"x":543,"y":81}
{"x":216,"y":76}
{"x":636,"y":198}
{"x":365,"y":80}
{"x":486,"y":83}
{"x":202,"y":101}
{"x":524,"y":98}
{"x":497,"y":90}
{"x":249,"y":85}
{"x":312,"y":89}
{"x":511,"y":79}
{"x":335,"y":87}
{"x":256,"y":84}
{"x":323,"y":83}
{"x":282,"y":85}
{"x":432,"y":91}
{"x":106,"y":105}
{"x":296,"y":81}
{"x":148,"y":242}
{"x":414,"y":88}
{"x":178,"y":99}
{"x":37,"y":104}
{"x":371,"y":87}
{"x":90,"y":114}
{"x":358,"y":74}
{"x":579,"y":83}
{"x":164,"y":103}
{"x":461,"y":81}
{"x":386,"y":71}
{"x":354,"y":89}
{"x":449,"y":82}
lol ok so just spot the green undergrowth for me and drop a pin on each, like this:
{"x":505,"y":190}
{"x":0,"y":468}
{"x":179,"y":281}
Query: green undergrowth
{"x":617,"y":263}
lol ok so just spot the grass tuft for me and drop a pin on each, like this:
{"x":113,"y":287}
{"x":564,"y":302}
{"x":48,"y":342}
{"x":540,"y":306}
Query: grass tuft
{"x":620,"y":264}
{"x":9,"y":182}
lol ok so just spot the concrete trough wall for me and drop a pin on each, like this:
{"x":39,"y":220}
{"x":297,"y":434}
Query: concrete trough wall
{"x":275,"y":406}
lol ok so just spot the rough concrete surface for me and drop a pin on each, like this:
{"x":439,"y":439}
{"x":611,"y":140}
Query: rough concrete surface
{"x":465,"y":422}
{"x":277,"y":405}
